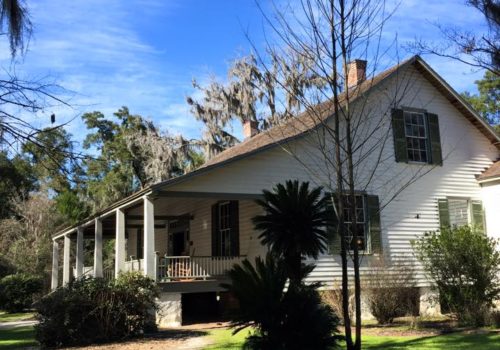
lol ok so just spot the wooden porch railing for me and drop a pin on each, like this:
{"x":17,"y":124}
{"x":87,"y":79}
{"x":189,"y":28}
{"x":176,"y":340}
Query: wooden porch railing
{"x":134,"y":264}
{"x":194,"y":267}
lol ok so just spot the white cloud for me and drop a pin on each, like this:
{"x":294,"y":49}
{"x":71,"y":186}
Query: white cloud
{"x":93,"y":49}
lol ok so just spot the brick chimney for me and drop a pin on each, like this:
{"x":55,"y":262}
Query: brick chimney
{"x":356,"y":72}
{"x":250,"y":128}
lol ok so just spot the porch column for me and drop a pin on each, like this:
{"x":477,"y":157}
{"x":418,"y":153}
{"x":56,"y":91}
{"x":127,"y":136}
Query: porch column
{"x":79,"y":252}
{"x":66,"y":257}
{"x":98,"y":249}
{"x":55,"y":265}
{"x":149,"y":238}
{"x":120,"y":242}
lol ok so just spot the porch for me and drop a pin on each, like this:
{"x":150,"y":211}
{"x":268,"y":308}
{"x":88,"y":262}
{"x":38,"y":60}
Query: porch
{"x":174,"y":238}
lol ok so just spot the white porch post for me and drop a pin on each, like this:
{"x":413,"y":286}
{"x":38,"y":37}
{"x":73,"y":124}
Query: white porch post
{"x":149,"y":238}
{"x":120,"y":242}
{"x":66,"y":257}
{"x":79,"y":252}
{"x":98,"y":249}
{"x":55,"y":265}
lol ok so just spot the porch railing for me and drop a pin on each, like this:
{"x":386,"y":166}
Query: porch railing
{"x":134,"y":264}
{"x":195,"y":267}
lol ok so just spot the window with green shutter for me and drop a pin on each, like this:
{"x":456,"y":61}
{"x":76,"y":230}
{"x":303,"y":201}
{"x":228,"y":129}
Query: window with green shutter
{"x":416,"y":136}
{"x":367,"y":224}
{"x":455,"y":212}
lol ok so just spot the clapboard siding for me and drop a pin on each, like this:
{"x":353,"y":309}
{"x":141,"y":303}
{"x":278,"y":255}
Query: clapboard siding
{"x":491,"y":202}
{"x":466,"y":153}
{"x":200,"y":226}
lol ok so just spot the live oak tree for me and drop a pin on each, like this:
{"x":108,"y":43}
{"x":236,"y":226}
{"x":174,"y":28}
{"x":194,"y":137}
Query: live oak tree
{"x":132,"y":153}
{"x":252,"y":93}
{"x":487,"y":102}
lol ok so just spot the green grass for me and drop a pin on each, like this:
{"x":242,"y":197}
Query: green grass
{"x":222,"y":339}
{"x":21,"y":316}
{"x":17,"y":337}
{"x":456,"y":341}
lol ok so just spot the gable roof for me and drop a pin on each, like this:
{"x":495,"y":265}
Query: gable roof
{"x":493,"y":172}
{"x":305,"y":122}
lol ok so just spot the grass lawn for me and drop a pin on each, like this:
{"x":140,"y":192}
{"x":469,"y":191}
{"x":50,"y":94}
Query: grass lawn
{"x":17,"y":337}
{"x":5,"y":317}
{"x":222,"y":339}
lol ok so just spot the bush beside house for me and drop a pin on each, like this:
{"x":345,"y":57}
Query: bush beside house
{"x":95,"y":310}
{"x":19,"y":291}
{"x":465,"y":267}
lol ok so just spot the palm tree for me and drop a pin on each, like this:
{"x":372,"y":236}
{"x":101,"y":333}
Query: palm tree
{"x":294,"y":224}
{"x":292,"y":319}
{"x":15,"y":16}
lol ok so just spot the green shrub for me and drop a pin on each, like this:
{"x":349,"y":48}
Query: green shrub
{"x":293,"y":318}
{"x":6,"y":267}
{"x":18,"y":291}
{"x":95,"y":310}
{"x":465,"y":267}
{"x":495,"y":318}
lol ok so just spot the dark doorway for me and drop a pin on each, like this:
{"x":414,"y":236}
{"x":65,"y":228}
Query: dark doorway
{"x":178,"y":243}
{"x":199,"y":308}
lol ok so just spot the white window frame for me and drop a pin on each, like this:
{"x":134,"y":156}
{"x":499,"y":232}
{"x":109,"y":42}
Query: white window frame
{"x":366,"y":231}
{"x":469,"y":207}
{"x":425,"y":138}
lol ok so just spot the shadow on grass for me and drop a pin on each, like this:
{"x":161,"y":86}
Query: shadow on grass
{"x":176,"y":334}
{"x":17,"y":337}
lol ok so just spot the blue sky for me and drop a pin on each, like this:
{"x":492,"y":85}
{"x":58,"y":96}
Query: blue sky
{"x":144,"y":54}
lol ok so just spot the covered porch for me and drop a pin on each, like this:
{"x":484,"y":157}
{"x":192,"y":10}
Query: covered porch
{"x":171,"y":237}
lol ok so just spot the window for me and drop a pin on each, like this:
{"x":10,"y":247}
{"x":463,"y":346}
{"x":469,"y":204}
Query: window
{"x":459,"y":212}
{"x":416,"y":137}
{"x":225,"y":229}
{"x":367,"y":224}
{"x":360,"y":222}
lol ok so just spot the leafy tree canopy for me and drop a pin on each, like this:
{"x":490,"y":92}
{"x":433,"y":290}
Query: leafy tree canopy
{"x":487,"y":102}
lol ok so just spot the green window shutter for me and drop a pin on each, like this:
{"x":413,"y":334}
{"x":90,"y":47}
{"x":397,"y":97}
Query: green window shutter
{"x":434,"y":140}
{"x":398,"y":131}
{"x":478,"y":216}
{"x":235,"y":227}
{"x":215,"y":228}
{"x":444,"y":213}
{"x":374,"y":227}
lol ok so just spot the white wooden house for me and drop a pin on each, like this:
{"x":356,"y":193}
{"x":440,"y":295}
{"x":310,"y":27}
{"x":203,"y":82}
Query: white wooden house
{"x":437,"y":161}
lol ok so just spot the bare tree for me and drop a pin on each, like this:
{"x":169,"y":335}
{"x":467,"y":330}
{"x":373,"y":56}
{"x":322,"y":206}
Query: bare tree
{"x":346,"y":124}
{"x":25,"y":240}
{"x":477,"y":50}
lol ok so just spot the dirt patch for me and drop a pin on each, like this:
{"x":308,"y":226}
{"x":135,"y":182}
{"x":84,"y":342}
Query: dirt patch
{"x":183,"y":338}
